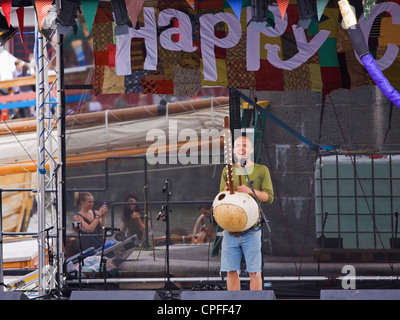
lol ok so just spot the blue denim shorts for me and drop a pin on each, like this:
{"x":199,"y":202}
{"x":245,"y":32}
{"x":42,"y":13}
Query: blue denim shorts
{"x":248,"y":244}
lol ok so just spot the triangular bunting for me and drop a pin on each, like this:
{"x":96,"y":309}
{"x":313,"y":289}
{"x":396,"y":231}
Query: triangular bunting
{"x":283,"y":4}
{"x":368,"y":5}
{"x":191,"y":3}
{"x":20,"y":15}
{"x":134,"y":8}
{"x":89,"y":9}
{"x":6,"y":7}
{"x":321,"y":4}
{"x":236,"y":6}
{"x":42,"y":9}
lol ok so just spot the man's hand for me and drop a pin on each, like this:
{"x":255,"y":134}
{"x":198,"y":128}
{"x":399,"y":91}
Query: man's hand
{"x":261,"y":195}
{"x":245,"y":189}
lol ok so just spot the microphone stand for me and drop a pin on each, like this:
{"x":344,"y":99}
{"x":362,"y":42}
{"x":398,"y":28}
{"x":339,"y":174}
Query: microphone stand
{"x":51,"y":255}
{"x":165,"y":217}
{"x":81,"y":258}
{"x":250,"y":182}
{"x":167,"y":191}
{"x":103,"y":259}
{"x":393,"y":241}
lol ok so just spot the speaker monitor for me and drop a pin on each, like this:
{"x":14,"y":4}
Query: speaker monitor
{"x":6,"y":31}
{"x":365,"y":294}
{"x":115,"y":295}
{"x":67,"y":15}
{"x":228,"y":295}
{"x":11,"y":295}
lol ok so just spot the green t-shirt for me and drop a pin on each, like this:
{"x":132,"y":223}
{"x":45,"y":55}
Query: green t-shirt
{"x":258,"y":173}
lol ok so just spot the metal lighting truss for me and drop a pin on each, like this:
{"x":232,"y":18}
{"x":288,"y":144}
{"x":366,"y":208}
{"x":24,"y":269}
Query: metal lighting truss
{"x":49,"y":119}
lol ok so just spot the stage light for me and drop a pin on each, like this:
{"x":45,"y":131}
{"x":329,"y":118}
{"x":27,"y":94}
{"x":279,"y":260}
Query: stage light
{"x":348,"y":14}
{"x":308,"y":12}
{"x":121,"y":17}
{"x":6,"y":32}
{"x":67,"y":15}
{"x":259,"y":10}
{"x":22,"y":3}
{"x":260,"y":13}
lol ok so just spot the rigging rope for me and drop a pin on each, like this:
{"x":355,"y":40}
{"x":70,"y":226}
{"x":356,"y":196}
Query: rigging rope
{"x":15,"y":136}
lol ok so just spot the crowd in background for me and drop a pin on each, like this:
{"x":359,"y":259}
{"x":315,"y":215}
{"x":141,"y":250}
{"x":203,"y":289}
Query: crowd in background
{"x":23,"y":69}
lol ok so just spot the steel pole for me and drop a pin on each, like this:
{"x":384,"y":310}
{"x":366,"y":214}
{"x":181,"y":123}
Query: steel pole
{"x":41,"y":170}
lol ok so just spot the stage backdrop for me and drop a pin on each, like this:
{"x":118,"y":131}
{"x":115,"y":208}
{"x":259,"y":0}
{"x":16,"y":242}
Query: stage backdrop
{"x":179,"y":49}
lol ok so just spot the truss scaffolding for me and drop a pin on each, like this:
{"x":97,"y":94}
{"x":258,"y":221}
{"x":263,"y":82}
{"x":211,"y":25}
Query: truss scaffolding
{"x":50,"y":154}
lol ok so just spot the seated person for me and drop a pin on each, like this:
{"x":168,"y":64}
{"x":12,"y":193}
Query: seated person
{"x":90,"y":222}
{"x":132,"y":217}
{"x":207,"y":233}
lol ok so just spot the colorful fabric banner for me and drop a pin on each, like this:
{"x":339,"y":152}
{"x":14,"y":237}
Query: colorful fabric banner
{"x":210,"y":46}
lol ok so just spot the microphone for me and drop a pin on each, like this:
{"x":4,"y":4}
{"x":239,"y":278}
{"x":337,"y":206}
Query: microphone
{"x":76,"y":224}
{"x":165,"y":186}
{"x":243,"y":162}
{"x":110,"y":229}
{"x":120,"y":236}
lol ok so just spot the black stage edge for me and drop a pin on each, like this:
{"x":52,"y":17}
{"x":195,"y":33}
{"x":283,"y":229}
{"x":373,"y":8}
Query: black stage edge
{"x":275,"y":290}
{"x":115,"y":295}
{"x":228,"y":295}
{"x":13,"y":295}
{"x":165,"y":295}
{"x":366,"y":294}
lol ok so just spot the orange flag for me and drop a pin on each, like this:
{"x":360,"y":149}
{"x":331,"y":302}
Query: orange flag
{"x":283,"y":4}
{"x":42,"y":9}
{"x":191,"y":3}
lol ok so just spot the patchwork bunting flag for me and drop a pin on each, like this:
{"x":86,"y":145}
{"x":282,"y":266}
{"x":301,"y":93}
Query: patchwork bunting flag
{"x":89,"y":9}
{"x":6,"y":6}
{"x":283,"y":4}
{"x":321,"y":4}
{"x":134,"y":8}
{"x":191,"y":3}
{"x":20,"y":15}
{"x":42,"y":9}
{"x":368,"y":5}
{"x":236,"y":6}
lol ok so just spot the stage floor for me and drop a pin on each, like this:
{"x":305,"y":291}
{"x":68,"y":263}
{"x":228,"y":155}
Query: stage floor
{"x":191,"y":267}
